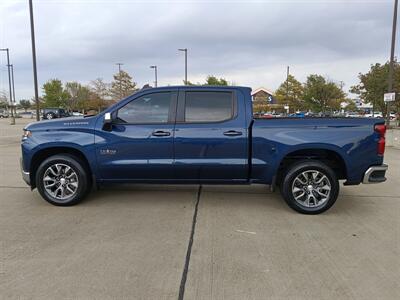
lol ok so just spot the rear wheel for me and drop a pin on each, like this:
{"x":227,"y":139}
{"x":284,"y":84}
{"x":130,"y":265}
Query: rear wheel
{"x":62,"y":180}
{"x":310,"y":187}
{"x":49,"y":116}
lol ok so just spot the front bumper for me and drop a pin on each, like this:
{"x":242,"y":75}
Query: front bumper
{"x":375,"y":174}
{"x":25,"y":175}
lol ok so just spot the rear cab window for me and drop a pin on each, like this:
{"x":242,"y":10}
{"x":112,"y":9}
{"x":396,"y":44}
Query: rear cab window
{"x":208,"y":107}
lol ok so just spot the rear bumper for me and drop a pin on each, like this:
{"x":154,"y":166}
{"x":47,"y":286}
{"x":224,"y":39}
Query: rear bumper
{"x":375,"y":174}
{"x":25,"y":175}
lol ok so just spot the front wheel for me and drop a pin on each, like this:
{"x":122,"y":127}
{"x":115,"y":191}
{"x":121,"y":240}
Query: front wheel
{"x":310,"y":187}
{"x":62,"y":180}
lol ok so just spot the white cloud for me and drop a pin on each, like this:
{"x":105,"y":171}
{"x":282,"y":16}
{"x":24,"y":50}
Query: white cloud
{"x":248,"y":42}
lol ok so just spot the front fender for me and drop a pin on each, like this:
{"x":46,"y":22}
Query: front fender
{"x":57,"y":141}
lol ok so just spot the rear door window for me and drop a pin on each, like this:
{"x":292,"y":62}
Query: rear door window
{"x":207,"y":107}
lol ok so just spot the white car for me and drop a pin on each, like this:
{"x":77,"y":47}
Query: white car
{"x":376,"y":114}
{"x":352,"y":115}
{"x":77,"y":114}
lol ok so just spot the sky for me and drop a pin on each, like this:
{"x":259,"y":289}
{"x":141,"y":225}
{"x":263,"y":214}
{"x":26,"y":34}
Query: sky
{"x":249,"y":43}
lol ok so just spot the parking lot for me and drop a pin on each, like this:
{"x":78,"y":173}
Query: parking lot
{"x":131,"y":242}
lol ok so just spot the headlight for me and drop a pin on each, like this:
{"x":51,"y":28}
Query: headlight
{"x":26,"y":134}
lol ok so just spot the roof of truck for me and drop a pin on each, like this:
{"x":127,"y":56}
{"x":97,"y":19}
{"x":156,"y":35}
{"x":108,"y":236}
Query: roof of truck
{"x":197,"y":87}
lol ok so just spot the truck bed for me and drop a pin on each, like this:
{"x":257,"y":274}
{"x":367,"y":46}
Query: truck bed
{"x":354,"y":139}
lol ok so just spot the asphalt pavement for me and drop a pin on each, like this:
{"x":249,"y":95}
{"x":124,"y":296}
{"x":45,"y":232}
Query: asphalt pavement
{"x":191,"y":242}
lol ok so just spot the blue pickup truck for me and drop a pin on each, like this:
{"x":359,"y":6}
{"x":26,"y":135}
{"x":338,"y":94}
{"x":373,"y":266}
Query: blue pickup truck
{"x":202,"y":135}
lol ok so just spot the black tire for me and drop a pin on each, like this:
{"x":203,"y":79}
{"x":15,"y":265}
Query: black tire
{"x":81,"y":174}
{"x":307,"y":166}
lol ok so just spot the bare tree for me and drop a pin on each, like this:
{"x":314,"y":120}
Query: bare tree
{"x":3,"y":99}
{"x":100,"y":88}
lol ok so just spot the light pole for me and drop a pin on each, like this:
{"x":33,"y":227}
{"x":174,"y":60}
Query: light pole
{"x":155,"y":74}
{"x":13,"y":89}
{"x":9,"y":82}
{"x":35,"y":81}
{"x":287,"y":87}
{"x":120,"y":81}
{"x":185,"y":50}
{"x":341,"y":83}
{"x":391,"y":66}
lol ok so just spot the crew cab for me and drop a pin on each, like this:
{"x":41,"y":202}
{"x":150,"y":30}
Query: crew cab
{"x":202,"y":135}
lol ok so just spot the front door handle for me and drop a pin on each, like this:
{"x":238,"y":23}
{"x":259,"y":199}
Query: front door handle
{"x":161,"y":133}
{"x":232,"y":133}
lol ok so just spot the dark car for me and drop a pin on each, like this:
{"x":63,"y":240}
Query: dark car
{"x":202,"y":135}
{"x":54,"y":113}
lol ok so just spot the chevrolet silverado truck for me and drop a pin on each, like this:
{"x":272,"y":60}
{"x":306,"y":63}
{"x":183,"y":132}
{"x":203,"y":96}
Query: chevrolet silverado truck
{"x":202,"y":135}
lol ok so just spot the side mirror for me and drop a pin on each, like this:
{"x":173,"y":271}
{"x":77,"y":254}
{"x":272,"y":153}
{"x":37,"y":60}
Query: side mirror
{"x":107,"y":118}
{"x":107,"y":122}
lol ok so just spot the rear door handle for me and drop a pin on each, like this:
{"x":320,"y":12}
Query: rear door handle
{"x":161,"y":133}
{"x":232,"y":133}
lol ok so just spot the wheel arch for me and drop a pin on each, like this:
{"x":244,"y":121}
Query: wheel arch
{"x":331,"y":157}
{"x":42,"y":154}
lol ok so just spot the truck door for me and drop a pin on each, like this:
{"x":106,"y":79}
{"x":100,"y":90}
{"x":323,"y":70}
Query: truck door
{"x":211,"y":142}
{"x":139,"y":145}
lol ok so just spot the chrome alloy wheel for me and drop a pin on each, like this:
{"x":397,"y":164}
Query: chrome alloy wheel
{"x":311,"y":188}
{"x":60,"y":181}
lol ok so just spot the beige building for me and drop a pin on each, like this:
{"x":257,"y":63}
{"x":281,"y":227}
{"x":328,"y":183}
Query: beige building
{"x":263,"y":95}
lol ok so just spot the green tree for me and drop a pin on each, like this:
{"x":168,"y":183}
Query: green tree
{"x":321,"y":94}
{"x":374,"y":84}
{"x":54,"y":94}
{"x":122,"y":85}
{"x":291,"y":92}
{"x":212,"y":80}
{"x":25,"y":104}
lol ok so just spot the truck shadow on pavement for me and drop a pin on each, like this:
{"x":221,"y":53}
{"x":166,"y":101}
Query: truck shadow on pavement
{"x":236,"y":197}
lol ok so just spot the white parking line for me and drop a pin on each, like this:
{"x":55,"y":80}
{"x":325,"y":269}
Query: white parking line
{"x":243,"y":231}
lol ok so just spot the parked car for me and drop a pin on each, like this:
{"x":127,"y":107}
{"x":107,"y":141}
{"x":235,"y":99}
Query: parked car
{"x":26,"y":114}
{"x":351,"y":114}
{"x":202,"y":135}
{"x":376,"y":114}
{"x":54,"y":113}
{"x":310,"y":114}
{"x":277,"y":115}
{"x":3,"y":113}
{"x":298,"y":115}
{"x":267,"y":116}
{"x":393,"y":116}
{"x":325,"y":114}
{"x":77,"y":114}
{"x":263,"y":116}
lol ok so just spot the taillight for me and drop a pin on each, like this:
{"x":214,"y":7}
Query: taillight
{"x":381,"y":130}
